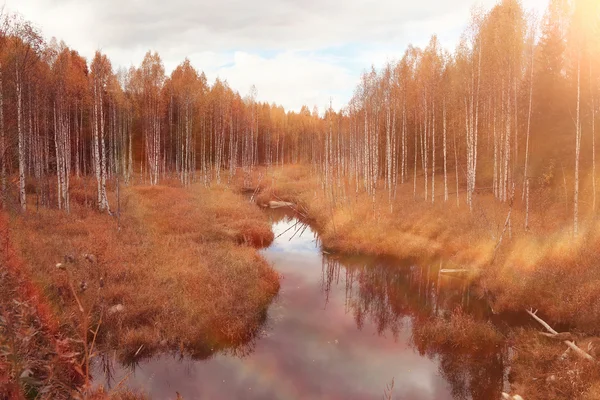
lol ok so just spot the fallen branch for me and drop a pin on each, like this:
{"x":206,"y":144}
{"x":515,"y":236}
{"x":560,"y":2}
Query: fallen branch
{"x":507,"y":396}
{"x":280,"y":204}
{"x":503,"y":230}
{"x":453,"y":271}
{"x":288,"y":229}
{"x":257,"y":188}
{"x":569,"y":343}
{"x":560,"y":336}
{"x":294,"y":207}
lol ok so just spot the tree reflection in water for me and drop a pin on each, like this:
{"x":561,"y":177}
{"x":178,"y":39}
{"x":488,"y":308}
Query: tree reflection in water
{"x":393,"y":296}
{"x":378,"y":308}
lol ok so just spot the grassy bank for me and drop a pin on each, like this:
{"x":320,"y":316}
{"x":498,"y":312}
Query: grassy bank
{"x":34,"y":357}
{"x":177,"y":271}
{"x":544,"y":267}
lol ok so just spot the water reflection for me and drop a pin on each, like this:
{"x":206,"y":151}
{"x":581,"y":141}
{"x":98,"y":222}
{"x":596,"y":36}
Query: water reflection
{"x":383,"y":291}
{"x":341,"y":327}
{"x":391,"y":297}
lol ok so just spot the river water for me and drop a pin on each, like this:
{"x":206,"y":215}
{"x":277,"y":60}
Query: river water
{"x":340,"y":328}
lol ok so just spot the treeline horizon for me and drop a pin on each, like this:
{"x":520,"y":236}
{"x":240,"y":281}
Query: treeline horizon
{"x":62,"y":116}
{"x":511,"y":108}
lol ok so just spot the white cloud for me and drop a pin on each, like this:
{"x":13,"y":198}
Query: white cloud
{"x":302,"y":79}
{"x":295,"y":52}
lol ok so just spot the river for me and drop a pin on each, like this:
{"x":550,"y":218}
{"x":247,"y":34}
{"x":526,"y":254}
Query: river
{"x":340,"y":328}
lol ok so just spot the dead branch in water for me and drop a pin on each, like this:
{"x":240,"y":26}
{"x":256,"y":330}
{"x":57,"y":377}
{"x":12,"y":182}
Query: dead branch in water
{"x":389,"y":388}
{"x":288,"y":229}
{"x":506,"y":396}
{"x":293,"y":206}
{"x":569,"y":343}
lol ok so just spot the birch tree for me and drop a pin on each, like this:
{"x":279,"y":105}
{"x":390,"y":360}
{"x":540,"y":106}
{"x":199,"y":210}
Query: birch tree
{"x":25,"y":47}
{"x":100,"y":71}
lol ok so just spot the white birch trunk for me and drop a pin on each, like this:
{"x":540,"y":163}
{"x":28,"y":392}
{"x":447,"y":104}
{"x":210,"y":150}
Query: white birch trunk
{"x":21,"y":143}
{"x":433,"y":155}
{"x":577,"y":151}
{"x":404,"y":144}
{"x":593,"y":141}
{"x":526,"y":169}
{"x":445,"y":154}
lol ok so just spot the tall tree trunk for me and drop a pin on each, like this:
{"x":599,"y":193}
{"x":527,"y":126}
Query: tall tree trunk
{"x":577,"y":151}
{"x":388,"y":143}
{"x":3,"y":149}
{"x":505,"y":180}
{"x":57,"y":150}
{"x":456,"y":168}
{"x":404,"y":144}
{"x":433,"y":155}
{"x":593,"y":105}
{"x":96,"y":147}
{"x":103,"y":171}
{"x":526,"y":169}
{"x":21,"y":142}
{"x":445,"y":154}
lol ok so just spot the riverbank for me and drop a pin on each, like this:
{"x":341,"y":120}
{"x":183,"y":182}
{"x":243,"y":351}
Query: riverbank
{"x":177,"y":271}
{"x":516,"y":268}
{"x":542,"y":268}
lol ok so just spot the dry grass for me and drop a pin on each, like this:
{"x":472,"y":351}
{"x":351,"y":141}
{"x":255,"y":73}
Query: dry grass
{"x":124,"y":394}
{"x":559,"y":276}
{"x":203,"y":291}
{"x":36,"y":361}
{"x":459,"y":333}
{"x":352,"y":223}
{"x":541,"y":372}
{"x":173,"y":277}
{"x":544,"y":268}
{"x":470,"y":353}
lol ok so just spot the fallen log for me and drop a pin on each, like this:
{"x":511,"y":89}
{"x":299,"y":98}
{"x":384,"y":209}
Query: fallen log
{"x":562,"y":336}
{"x":569,"y":343}
{"x":280,"y":204}
{"x":453,"y":271}
{"x":296,"y":207}
{"x":506,"y":396}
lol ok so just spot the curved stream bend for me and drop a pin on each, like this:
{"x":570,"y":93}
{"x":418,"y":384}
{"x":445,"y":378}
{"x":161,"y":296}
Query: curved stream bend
{"x":342,"y":328}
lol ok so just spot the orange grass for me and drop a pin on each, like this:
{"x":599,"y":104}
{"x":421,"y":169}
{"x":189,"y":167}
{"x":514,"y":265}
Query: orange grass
{"x":36,"y":360}
{"x":541,"y":373}
{"x":176,"y":266}
{"x":543,"y":267}
{"x":470,"y":353}
{"x":352,"y":223}
{"x":459,"y":333}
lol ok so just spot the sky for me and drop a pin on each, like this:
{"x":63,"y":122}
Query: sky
{"x":296,"y":52}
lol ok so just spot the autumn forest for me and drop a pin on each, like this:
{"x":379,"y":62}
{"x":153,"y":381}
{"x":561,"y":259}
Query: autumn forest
{"x":482,"y":159}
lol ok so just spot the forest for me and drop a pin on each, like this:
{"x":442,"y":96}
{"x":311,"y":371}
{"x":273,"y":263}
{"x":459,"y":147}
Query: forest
{"x":484,"y":157}
{"x":498,"y":115}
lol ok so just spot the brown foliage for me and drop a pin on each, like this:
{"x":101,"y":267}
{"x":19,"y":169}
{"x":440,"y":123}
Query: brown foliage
{"x":173,"y":274}
{"x":35,"y":359}
{"x":542,"y":373}
{"x":544,"y":268}
{"x":460,"y":333}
